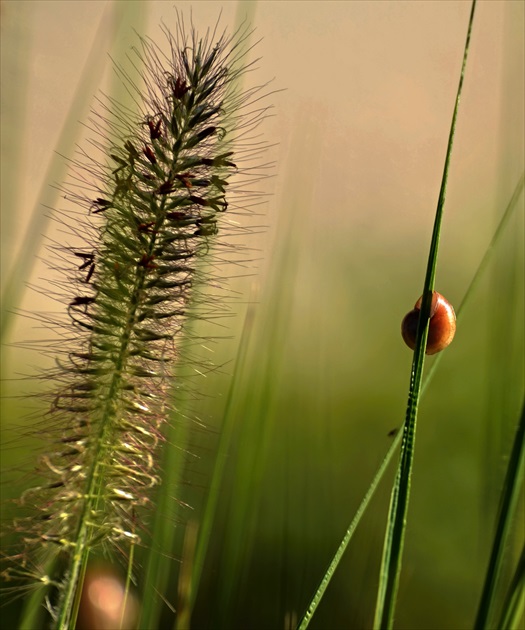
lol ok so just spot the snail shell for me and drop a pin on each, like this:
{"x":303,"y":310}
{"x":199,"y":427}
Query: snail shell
{"x":442,"y":326}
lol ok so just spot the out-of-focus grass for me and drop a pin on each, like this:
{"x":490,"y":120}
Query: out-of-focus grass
{"x":361,"y":148}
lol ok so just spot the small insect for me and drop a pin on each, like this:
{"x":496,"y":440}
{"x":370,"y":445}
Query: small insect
{"x":442,"y":326}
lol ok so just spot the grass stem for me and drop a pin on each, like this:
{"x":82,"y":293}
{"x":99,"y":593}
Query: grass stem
{"x":394,"y":539}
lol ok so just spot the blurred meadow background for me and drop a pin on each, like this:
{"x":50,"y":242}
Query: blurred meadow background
{"x":311,"y":374}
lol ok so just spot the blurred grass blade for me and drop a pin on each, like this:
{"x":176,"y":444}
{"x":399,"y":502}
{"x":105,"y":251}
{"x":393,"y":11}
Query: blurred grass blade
{"x":159,"y":561}
{"x":509,"y":498}
{"x":15,"y":62}
{"x":305,"y":621}
{"x":88,"y":81}
{"x":257,"y":409}
{"x":515,"y":601}
{"x":227,"y":432}
{"x":256,"y":402}
{"x":245,"y":15}
{"x":480,"y":271}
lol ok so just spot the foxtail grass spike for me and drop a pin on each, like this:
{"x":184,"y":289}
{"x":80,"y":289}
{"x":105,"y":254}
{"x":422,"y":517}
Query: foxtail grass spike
{"x":149,"y":199}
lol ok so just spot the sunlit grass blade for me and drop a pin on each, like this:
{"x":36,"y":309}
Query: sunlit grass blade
{"x":305,"y":621}
{"x":15,"y":61}
{"x":514,"y":604}
{"x":227,"y":431}
{"x":14,"y":285}
{"x":256,"y":408}
{"x":509,"y":499}
{"x":395,"y":533}
{"x":159,"y":190}
{"x":478,"y":275}
{"x":159,"y":559}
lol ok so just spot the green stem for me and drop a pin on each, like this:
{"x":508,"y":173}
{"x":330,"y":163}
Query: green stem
{"x":103,"y":443}
{"x":508,"y":503}
{"x":305,"y":621}
{"x":515,"y":600}
{"x":395,"y":534}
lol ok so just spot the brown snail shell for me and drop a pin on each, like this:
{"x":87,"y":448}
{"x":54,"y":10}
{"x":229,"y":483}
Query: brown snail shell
{"x":442,"y":326}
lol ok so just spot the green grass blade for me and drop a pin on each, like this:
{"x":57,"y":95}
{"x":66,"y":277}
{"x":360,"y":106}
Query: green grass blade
{"x":480,"y":271}
{"x":515,"y":601}
{"x":508,"y":213}
{"x":90,"y":75}
{"x":164,"y":533}
{"x":14,"y":59}
{"x":305,"y":621}
{"x":256,"y":408}
{"x":394,"y":538}
{"x":159,"y":559}
{"x":245,"y":14}
{"x":227,"y":432}
{"x":509,"y":499}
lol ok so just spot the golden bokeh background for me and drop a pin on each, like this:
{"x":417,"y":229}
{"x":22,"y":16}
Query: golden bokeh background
{"x":364,"y":93}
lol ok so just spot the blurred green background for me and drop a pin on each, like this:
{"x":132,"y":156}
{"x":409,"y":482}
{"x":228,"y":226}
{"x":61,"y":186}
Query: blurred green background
{"x":358,"y":138}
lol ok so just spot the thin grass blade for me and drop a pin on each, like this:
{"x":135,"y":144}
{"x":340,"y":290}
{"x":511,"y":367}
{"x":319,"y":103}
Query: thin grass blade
{"x":394,"y":539}
{"x":509,"y":499}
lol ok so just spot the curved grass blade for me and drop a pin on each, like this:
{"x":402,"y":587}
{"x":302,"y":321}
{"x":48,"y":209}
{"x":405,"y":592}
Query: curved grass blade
{"x":509,"y":499}
{"x":515,"y":600}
